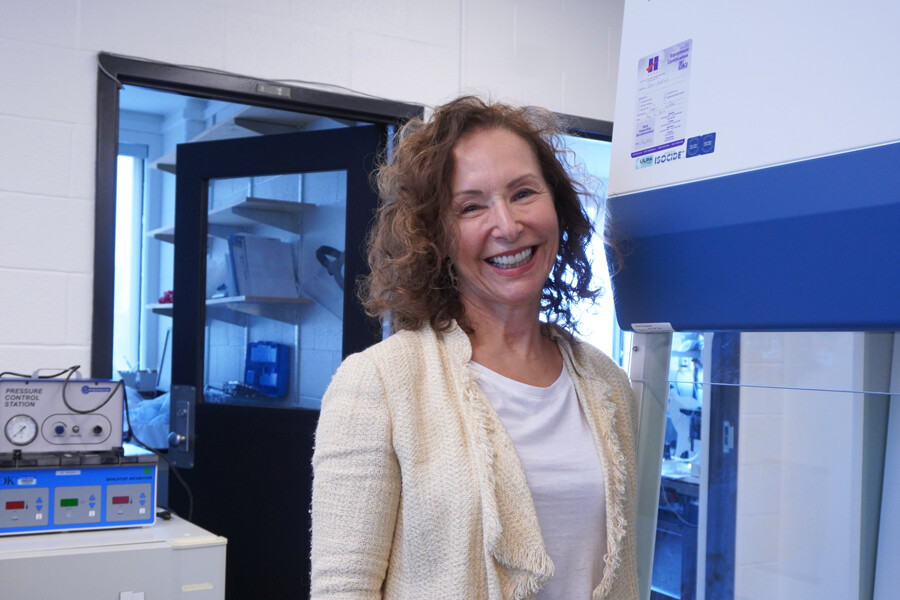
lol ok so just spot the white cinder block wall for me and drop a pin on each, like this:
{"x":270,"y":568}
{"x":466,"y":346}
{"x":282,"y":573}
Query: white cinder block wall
{"x":562,"y":54}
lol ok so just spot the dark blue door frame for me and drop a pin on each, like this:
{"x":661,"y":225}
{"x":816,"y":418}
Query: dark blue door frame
{"x":724,"y":417}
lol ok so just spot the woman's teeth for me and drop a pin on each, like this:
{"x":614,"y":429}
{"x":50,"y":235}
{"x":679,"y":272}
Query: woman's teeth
{"x":510,"y":261}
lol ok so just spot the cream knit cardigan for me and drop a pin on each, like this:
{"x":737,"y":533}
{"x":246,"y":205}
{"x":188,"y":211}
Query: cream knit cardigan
{"x":418,"y":493}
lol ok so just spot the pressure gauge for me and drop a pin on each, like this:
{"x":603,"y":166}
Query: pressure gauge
{"x":21,"y":430}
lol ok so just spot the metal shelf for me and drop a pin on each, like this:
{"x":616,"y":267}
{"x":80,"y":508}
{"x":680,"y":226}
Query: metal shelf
{"x":277,"y":309}
{"x":244,"y":214}
{"x":248,"y":122}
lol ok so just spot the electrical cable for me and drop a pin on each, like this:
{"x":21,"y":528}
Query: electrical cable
{"x":33,"y":376}
{"x":665,"y":496}
{"x":69,"y":373}
{"x":690,"y":458}
{"x":119,"y":84}
{"x":135,"y":439}
{"x":65,"y":400}
{"x":320,"y":84}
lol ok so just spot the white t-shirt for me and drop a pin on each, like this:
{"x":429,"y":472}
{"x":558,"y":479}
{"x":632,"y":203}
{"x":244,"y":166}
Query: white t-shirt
{"x":565,"y":473}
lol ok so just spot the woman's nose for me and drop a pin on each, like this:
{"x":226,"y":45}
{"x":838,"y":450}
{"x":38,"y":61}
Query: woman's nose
{"x":506,"y":225}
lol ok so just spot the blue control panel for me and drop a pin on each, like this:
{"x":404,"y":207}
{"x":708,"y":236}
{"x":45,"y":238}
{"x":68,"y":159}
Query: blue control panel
{"x":71,"y":493}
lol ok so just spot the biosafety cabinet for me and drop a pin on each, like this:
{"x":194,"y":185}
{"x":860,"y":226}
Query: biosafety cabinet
{"x":765,"y":129}
{"x":753,"y":186}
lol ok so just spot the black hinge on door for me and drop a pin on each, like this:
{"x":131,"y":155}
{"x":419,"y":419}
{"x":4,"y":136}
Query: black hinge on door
{"x":181,"y":427}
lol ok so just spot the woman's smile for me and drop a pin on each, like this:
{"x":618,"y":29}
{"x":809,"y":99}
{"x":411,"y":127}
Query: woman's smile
{"x":512,"y":260}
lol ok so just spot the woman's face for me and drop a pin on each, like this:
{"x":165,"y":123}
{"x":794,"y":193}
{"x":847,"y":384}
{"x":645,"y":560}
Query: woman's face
{"x":504,"y":223}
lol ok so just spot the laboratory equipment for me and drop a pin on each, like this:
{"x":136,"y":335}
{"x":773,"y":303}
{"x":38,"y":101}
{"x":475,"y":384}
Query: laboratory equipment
{"x":63,"y":465}
{"x":47,"y":492}
{"x":60,"y":413}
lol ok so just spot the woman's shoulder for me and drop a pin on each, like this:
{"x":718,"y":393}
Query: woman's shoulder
{"x":366,"y":375}
{"x":394,"y":371}
{"x":407,"y":350}
{"x":397,"y":344}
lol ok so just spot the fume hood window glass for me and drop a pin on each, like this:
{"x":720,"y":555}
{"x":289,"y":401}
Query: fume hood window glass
{"x":795,"y":444}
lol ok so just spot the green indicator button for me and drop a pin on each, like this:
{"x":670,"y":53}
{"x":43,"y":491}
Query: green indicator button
{"x":67,"y":502}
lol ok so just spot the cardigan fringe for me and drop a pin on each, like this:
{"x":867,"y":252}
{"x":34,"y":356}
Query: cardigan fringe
{"x":531,"y":568}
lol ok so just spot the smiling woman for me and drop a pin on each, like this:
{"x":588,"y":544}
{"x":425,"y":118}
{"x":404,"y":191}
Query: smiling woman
{"x":481,"y":451}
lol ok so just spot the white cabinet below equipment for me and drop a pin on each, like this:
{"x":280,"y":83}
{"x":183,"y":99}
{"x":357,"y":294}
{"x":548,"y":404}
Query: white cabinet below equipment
{"x":172,"y":559}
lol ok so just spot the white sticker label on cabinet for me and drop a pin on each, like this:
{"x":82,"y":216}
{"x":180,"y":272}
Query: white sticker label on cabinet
{"x":652,"y":327}
{"x":662,"y":98}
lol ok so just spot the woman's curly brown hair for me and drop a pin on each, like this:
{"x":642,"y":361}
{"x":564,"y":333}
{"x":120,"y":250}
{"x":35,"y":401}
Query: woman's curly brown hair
{"x":411,"y":276}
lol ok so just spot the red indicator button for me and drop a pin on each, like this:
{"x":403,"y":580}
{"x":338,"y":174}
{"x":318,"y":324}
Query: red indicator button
{"x":15,"y":505}
{"x":121,"y":499}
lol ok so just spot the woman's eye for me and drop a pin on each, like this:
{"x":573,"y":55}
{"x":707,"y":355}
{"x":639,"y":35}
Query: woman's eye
{"x":523,"y":194}
{"x":468,"y":208}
